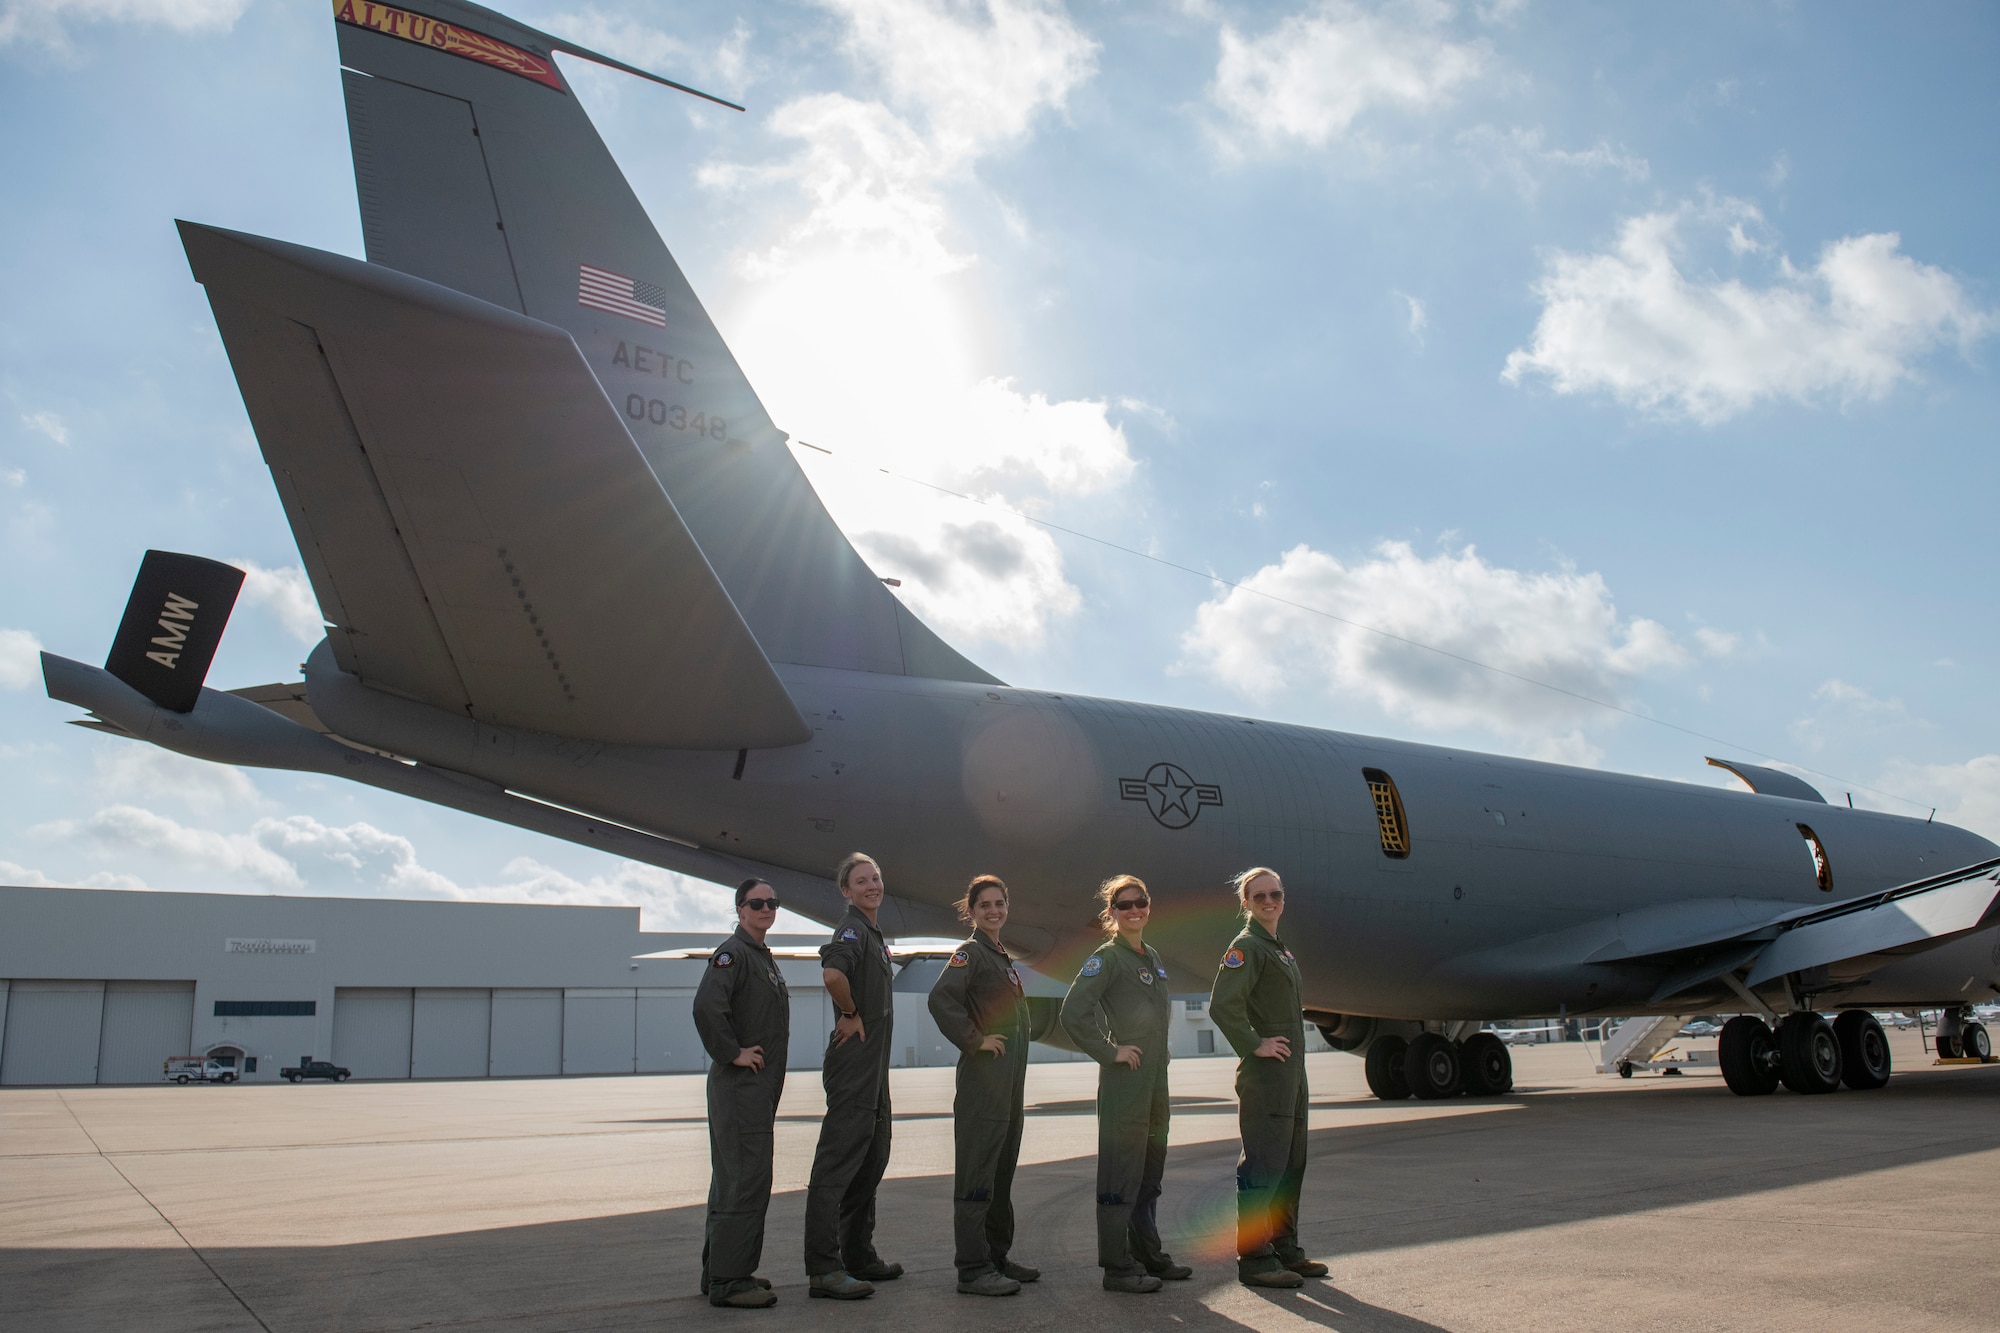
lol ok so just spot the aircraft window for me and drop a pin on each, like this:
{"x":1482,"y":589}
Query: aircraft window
{"x":1822,"y":867}
{"x":1389,"y":818}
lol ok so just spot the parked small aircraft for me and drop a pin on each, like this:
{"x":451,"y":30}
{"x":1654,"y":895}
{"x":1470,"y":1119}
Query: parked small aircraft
{"x":575,"y":580}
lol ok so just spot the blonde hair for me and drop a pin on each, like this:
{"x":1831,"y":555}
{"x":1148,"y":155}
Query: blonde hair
{"x":1242,"y":882}
{"x":970,"y":898}
{"x":1107,"y":893}
{"x":847,"y":867}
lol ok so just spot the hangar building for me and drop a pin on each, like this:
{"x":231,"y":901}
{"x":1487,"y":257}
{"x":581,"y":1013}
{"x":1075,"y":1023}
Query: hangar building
{"x":103,"y":985}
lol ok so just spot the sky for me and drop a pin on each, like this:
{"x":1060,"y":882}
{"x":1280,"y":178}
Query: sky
{"x":1604,"y":384}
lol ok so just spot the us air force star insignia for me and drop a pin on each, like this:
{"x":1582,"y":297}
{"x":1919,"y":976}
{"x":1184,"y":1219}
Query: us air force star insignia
{"x":1171,"y":796}
{"x":1234,"y":958}
{"x":958,"y":959}
{"x":1092,"y":965}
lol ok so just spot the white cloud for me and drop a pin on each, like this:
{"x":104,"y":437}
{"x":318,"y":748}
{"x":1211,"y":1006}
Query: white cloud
{"x":45,"y":422}
{"x":1521,"y":156}
{"x":1559,"y":627}
{"x":148,"y":773}
{"x":1419,"y":319}
{"x":236,"y":859}
{"x":13,"y":476}
{"x":20,"y":660}
{"x":20,"y":876}
{"x":1968,"y":794}
{"x":1843,"y":711}
{"x":47,"y":22}
{"x":287,"y":594}
{"x":862,"y":341}
{"x":1636,"y":323}
{"x":724,"y":69}
{"x":1309,"y":78}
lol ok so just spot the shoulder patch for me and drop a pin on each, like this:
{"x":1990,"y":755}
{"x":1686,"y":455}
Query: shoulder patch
{"x":1092,"y":966}
{"x":1234,"y":958}
{"x":958,"y":959}
{"x":722,"y":959}
{"x":848,"y":935}
{"x":1163,"y":973}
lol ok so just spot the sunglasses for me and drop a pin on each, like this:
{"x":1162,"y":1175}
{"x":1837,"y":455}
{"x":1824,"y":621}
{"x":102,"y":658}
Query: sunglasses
{"x":1272,"y":896}
{"x":1131,"y":904}
{"x":761,"y":904}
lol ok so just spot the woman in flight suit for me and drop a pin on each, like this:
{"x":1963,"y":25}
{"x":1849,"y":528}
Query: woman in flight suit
{"x":1255,"y":1004}
{"x":854,"y":1137}
{"x":980,"y":1008}
{"x":1117,"y":1013}
{"x":744,"y":1017}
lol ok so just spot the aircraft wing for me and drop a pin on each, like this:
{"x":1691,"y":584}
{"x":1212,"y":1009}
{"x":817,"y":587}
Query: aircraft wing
{"x":478,"y":525}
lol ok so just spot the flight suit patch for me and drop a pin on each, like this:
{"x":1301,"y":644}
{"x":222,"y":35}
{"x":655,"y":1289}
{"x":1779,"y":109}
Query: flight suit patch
{"x":1287,"y":956}
{"x":1163,"y":973}
{"x":1013,"y":976}
{"x":723,"y":960}
{"x":1146,"y":975}
{"x":958,"y":959}
{"x":1234,"y":958}
{"x":848,"y":935}
{"x":1092,"y":966}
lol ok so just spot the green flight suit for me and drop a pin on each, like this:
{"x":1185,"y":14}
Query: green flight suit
{"x":1257,"y":996}
{"x":979,"y":995}
{"x":741,"y":1001}
{"x":1119,"y":998}
{"x":854,"y":1138}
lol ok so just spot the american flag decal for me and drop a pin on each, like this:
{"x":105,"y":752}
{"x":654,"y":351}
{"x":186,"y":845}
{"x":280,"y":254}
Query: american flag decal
{"x":601,"y":289}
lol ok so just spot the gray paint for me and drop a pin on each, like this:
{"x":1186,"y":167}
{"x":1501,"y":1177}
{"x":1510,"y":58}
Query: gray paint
{"x":145,"y":1023}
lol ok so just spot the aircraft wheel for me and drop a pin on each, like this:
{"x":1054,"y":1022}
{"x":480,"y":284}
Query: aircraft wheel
{"x":1947,"y":1047}
{"x":1748,"y":1053}
{"x":1972,"y":1040}
{"x":1433,"y":1068}
{"x":1384,"y":1064}
{"x":1487,"y":1064}
{"x":1864,"y":1050}
{"x":1808,"y":1054}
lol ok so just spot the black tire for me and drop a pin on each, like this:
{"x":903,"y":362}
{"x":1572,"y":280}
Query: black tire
{"x":227,"y":1078}
{"x":181,"y":1079}
{"x":291,"y":1078}
{"x":1487,"y":1064}
{"x":1864,"y":1050}
{"x":1384,"y":1064}
{"x":1973,"y":1041}
{"x":1748,"y":1053}
{"x":341,"y":1077}
{"x":1947,"y":1047}
{"x":1433,"y":1067}
{"x":1808,"y":1054}
{"x":1624,"y":1069}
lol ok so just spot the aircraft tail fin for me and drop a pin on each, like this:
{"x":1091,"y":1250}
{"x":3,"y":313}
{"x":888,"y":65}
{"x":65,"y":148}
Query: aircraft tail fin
{"x":477,"y":525}
{"x":173,"y":624}
{"x":477,"y":169}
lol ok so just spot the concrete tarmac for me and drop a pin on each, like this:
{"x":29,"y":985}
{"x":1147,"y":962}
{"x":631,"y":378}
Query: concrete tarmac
{"x":1580,"y":1202}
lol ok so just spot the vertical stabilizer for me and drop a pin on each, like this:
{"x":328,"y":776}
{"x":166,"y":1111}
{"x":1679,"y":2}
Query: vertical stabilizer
{"x":477,"y":169}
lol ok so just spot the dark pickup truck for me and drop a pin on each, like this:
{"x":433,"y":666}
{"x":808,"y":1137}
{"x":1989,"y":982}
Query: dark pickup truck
{"x":325,"y":1069}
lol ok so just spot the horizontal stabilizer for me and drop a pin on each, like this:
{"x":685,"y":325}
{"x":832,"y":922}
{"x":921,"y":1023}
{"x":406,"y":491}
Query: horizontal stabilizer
{"x":1920,"y":914}
{"x":479,"y":527}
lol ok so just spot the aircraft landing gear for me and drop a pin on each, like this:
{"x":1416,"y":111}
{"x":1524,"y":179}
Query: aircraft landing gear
{"x":1864,"y":1050}
{"x":1487,"y":1065}
{"x":1432,"y":1068}
{"x":1749,"y":1057}
{"x":1973,"y":1041}
{"x":1808,"y":1054}
{"x":1384,"y":1063}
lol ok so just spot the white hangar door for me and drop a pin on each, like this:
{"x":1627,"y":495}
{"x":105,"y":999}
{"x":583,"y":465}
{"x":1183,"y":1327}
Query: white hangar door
{"x":668,"y":1043}
{"x":527,"y":1033}
{"x":52,"y":1031}
{"x":371,"y":1031}
{"x":599,"y":1035}
{"x":450,"y":1037}
{"x":144,"y":1023}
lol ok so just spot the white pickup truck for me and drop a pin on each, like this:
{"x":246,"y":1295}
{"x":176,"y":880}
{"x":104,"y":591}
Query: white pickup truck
{"x":195,"y":1069}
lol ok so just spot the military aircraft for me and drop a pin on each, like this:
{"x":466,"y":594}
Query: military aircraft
{"x":575,"y":580}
